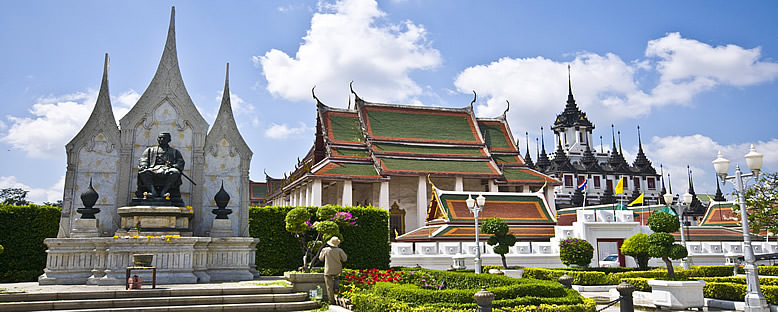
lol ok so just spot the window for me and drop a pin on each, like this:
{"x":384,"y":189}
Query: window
{"x":581,"y":137}
{"x":580,"y":180}
{"x":596,"y":181}
{"x":625,"y":183}
{"x":637,"y":183}
{"x":651,"y":183}
{"x":568,"y":180}
{"x":609,"y":184}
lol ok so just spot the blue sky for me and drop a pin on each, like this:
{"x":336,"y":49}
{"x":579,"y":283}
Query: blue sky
{"x":697,"y":76}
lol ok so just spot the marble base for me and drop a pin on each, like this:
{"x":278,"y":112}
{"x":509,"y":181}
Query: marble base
{"x":221,"y":228}
{"x":85,"y":228}
{"x":179,"y":260}
{"x":155,"y":218}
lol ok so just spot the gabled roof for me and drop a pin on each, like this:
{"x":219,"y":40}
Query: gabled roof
{"x":342,"y":169}
{"x":341,"y":126}
{"x":514,"y":208}
{"x":388,"y":122}
{"x":721,"y":214}
{"x":527,"y":175}
{"x":496,"y":135}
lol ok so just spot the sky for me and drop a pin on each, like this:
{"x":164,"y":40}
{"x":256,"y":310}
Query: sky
{"x":698,"y":77}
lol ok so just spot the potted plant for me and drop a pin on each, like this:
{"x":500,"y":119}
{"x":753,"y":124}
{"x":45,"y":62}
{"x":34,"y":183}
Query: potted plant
{"x":672,"y":293}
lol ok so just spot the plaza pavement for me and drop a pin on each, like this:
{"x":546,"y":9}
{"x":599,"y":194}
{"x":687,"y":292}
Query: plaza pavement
{"x":600,"y":295}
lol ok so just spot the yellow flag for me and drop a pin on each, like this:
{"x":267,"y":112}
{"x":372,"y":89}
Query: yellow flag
{"x":619,"y":187}
{"x":638,"y":200}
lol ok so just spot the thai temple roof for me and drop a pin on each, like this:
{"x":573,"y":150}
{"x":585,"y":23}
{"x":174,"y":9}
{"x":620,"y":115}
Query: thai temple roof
{"x":373,"y":141}
{"x":513,"y":208}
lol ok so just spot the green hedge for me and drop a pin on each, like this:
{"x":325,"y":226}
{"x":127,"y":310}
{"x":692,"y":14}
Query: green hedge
{"x":367,"y":245}
{"x":592,"y":277}
{"x":764,"y":270}
{"x":22,"y":231}
{"x":510,"y":294}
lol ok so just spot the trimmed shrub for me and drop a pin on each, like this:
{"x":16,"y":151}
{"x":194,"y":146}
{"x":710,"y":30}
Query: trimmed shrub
{"x":366,"y":244}
{"x":22,"y":231}
{"x":576,"y":251}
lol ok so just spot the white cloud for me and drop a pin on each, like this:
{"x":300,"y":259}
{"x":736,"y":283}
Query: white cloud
{"x":348,"y":41}
{"x":607,"y":86}
{"x":35,"y":195}
{"x":56,"y":119}
{"x":283,"y":131}
{"x":698,"y":151}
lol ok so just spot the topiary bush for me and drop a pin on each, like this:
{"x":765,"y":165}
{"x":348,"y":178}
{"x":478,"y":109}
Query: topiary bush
{"x":22,"y":231}
{"x":636,"y":246}
{"x":501,"y":237}
{"x":576,"y":251}
{"x":661,"y":242}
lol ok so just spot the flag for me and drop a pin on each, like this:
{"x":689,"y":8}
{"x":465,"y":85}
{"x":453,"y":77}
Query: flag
{"x":638,"y":200}
{"x":619,"y":187}
{"x":582,"y":186}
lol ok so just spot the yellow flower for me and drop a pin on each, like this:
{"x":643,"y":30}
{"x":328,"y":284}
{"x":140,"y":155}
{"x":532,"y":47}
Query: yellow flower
{"x":135,"y":236}
{"x":167,"y":197}
{"x":115,"y":237}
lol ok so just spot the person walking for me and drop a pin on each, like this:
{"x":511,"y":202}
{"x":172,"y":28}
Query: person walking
{"x":333,"y":258}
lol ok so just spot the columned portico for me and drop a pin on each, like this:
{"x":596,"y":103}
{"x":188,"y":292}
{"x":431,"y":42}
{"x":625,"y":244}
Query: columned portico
{"x":421,"y":201}
{"x":347,"y":198}
{"x":383,"y":195}
{"x":316,"y":193}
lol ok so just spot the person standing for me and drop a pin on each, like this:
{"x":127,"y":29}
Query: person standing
{"x":333,"y":258}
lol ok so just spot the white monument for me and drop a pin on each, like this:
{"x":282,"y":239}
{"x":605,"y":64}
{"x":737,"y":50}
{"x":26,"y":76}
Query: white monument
{"x":188,"y":243}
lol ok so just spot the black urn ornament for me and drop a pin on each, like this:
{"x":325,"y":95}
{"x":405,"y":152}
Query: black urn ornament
{"x":89,"y":198}
{"x":222,"y":199}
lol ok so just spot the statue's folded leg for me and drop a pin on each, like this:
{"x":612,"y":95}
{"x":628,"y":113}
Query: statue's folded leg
{"x":147,"y":177}
{"x":172,"y":177}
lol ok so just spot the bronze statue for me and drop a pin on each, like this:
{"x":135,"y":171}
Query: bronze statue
{"x":159,"y":171}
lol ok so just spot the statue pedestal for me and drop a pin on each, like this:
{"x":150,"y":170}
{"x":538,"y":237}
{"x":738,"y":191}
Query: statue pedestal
{"x":84,"y":228}
{"x":221,"y":228}
{"x":155,"y":220}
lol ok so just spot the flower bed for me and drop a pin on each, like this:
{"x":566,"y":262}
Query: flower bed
{"x":427,"y":290}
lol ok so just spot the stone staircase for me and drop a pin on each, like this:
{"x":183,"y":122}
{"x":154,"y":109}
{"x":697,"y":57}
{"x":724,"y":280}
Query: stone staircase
{"x":268,"y":298}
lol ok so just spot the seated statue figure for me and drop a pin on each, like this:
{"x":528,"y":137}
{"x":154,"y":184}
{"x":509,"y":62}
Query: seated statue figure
{"x":159,"y":171}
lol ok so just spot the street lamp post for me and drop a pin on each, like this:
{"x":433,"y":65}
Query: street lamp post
{"x":475,"y":206}
{"x":754,"y":300}
{"x":687,"y":200}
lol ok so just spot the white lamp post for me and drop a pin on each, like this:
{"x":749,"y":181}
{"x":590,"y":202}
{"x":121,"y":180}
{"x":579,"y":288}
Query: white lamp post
{"x":475,"y":206}
{"x":754,"y":300}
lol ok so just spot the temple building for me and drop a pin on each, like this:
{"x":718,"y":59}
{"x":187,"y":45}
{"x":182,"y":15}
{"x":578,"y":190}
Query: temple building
{"x":390,"y":156}
{"x":576,"y":160}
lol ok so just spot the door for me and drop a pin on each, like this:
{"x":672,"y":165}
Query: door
{"x":610,"y":246}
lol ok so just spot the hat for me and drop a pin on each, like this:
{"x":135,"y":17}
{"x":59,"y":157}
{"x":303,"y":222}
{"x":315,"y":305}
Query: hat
{"x":334,"y":241}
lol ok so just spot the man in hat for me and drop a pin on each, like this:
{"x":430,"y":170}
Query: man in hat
{"x":333,"y":258}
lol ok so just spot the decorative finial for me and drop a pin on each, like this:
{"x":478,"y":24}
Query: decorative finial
{"x":507,"y":108}
{"x":569,"y":82}
{"x":620,"y":150}
{"x":351,"y":87}
{"x":313,"y":92}
{"x":475,"y":96}
{"x":601,"y":150}
{"x":89,"y":198}
{"x":222,"y":199}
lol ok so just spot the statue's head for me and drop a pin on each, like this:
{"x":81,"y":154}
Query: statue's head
{"x":163,"y":139}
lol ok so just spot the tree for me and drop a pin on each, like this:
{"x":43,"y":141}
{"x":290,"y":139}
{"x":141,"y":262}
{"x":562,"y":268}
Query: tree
{"x":58,"y":203}
{"x":762,"y":203}
{"x":661,"y":242}
{"x":14,"y":196}
{"x":637,"y":247}
{"x":501,"y":237}
{"x":299,"y":223}
{"x":576,"y":251}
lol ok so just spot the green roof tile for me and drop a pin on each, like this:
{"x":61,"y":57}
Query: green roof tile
{"x":494,"y":136}
{"x":345,"y":128}
{"x":512,"y":174}
{"x":348,"y":152}
{"x":421,"y":125}
{"x":348,"y":169}
{"x":443,"y":166}
{"x":435,"y":150}
{"x":506,"y":159}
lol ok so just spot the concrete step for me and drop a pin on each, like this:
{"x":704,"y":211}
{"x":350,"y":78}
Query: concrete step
{"x":143,"y":293}
{"x":281,"y":306}
{"x":151,"y":302}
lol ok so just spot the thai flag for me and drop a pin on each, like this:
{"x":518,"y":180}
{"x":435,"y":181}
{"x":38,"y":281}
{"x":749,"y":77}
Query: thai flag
{"x":582,"y":186}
